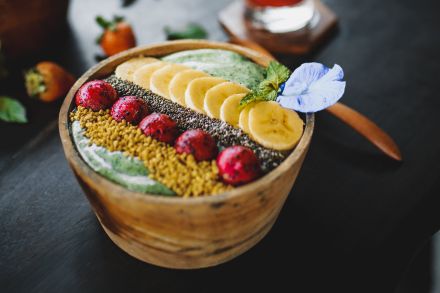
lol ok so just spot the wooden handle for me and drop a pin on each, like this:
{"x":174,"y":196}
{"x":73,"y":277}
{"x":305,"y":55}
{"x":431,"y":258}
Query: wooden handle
{"x":349,"y":116}
{"x":367,"y":129}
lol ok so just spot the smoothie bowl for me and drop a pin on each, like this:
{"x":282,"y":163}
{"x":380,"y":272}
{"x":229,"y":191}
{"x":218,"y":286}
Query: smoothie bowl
{"x":178,"y":174}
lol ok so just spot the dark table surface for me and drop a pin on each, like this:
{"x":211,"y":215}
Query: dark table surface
{"x":353,"y":220}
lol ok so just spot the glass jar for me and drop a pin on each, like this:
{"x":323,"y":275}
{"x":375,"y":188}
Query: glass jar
{"x":281,"y":16}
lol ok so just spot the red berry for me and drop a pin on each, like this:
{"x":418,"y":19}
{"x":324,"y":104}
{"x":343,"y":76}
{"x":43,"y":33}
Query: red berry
{"x":238,"y":165}
{"x":160,"y":127}
{"x":130,"y":108}
{"x":198,"y":143}
{"x":96,"y":95}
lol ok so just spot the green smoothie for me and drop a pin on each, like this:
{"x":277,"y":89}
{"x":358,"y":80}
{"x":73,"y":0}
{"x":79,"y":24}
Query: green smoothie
{"x":221,"y":63}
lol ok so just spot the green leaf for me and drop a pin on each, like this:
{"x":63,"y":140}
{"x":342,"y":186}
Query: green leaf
{"x":277,"y":73}
{"x":267,"y":90}
{"x":117,"y":19}
{"x":267,"y":95}
{"x":190,"y":31}
{"x":109,"y":25}
{"x":12,"y":110}
{"x":102,"y":22}
{"x":272,"y":95}
{"x":249,"y":98}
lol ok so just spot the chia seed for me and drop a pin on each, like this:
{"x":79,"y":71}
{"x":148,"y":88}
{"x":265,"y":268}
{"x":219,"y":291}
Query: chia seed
{"x":225,"y":134}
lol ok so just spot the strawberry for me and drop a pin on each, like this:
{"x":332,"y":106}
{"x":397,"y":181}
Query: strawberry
{"x":198,"y":143}
{"x":96,"y":95}
{"x":48,"y":81}
{"x":238,"y":165}
{"x":160,"y":127}
{"x":117,"y":36}
{"x":130,"y":108}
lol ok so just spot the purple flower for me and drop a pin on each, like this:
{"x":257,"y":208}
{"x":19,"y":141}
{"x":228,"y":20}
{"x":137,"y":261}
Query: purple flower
{"x":312,"y":87}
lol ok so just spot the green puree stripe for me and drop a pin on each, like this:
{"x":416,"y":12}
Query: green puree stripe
{"x":127,"y":171}
{"x":221,"y":63}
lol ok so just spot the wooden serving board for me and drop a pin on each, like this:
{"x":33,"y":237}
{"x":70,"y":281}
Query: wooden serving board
{"x":236,"y":25}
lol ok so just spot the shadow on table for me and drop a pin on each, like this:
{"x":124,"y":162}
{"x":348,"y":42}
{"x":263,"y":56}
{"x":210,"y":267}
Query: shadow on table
{"x":423,"y":275}
{"x":300,"y":261}
{"x":336,"y":140}
{"x":264,"y":268}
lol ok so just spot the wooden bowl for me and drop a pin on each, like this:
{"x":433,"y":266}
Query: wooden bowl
{"x":175,"y":232}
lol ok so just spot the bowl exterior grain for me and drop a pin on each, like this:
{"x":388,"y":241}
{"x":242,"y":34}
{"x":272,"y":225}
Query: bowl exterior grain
{"x":183,"y":233}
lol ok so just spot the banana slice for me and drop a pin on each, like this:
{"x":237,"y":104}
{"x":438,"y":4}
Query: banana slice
{"x":215,"y":97}
{"x":160,"y":79}
{"x":126,"y":70}
{"x":180,"y":82}
{"x":275,"y":127}
{"x":230,"y":110}
{"x":196,"y":91}
{"x":243,"y":120}
{"x":142,"y":76}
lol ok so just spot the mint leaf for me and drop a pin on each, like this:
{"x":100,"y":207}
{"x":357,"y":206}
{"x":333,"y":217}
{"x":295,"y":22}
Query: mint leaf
{"x":267,"y":90}
{"x":249,"y":98}
{"x":12,"y":110}
{"x":277,"y":73}
{"x":190,"y":31}
{"x":271,"y":96}
{"x":267,"y":94}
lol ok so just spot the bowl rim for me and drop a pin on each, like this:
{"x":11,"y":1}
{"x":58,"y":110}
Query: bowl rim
{"x":88,"y":174}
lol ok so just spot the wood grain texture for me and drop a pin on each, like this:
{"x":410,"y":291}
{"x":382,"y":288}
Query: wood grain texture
{"x":177,"y":232}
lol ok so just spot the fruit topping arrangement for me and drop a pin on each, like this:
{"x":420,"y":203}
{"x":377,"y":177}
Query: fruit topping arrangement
{"x":185,"y":161}
{"x":196,"y":134}
{"x":224,"y":134}
{"x":269,"y":124}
